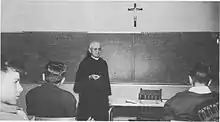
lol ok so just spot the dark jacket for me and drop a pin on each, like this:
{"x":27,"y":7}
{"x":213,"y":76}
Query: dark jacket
{"x":93,"y":94}
{"x":50,"y":101}
{"x":182,"y":106}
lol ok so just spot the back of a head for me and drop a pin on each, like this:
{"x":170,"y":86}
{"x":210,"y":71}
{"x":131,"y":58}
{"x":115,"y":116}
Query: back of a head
{"x":4,"y":63}
{"x":7,"y":64}
{"x":11,"y":64}
{"x":55,"y":72}
{"x":201,"y":73}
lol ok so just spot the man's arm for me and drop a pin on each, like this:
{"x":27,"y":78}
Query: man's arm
{"x":70,"y":105}
{"x":81,"y":78}
{"x":107,"y":79}
{"x":29,"y":104}
{"x":104,"y":81}
{"x":168,"y":113}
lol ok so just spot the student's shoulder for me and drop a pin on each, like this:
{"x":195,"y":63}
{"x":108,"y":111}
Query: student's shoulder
{"x":177,"y":96}
{"x":35,"y":89}
{"x":183,"y":93}
{"x":67,"y":94}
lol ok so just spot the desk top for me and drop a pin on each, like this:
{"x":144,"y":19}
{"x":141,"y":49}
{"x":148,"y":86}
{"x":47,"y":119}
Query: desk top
{"x":146,"y":103}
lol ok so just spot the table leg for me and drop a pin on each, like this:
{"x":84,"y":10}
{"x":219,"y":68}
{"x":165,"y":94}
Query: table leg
{"x":110,"y":113}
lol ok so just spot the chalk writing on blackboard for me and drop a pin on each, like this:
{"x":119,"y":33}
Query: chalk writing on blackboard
{"x":64,"y":36}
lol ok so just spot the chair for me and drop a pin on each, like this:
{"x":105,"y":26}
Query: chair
{"x":110,"y":114}
{"x":148,"y":94}
{"x":148,"y":113}
{"x":55,"y":118}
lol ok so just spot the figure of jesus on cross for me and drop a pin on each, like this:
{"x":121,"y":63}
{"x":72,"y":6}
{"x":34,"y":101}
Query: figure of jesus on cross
{"x":134,"y":10}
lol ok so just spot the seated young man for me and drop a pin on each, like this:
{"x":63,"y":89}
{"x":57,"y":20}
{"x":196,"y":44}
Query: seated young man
{"x":48,"y":100}
{"x":183,"y":105}
{"x":10,"y":90}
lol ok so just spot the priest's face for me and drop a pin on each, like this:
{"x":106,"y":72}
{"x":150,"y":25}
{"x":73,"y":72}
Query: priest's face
{"x":95,"y":50}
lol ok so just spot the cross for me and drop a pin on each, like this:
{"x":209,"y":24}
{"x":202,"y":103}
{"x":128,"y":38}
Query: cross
{"x":134,"y":10}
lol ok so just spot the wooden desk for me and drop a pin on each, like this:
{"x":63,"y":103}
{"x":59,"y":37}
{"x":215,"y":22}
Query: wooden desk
{"x":143,"y":103}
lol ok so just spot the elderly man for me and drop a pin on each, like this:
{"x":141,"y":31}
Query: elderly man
{"x":93,"y":86}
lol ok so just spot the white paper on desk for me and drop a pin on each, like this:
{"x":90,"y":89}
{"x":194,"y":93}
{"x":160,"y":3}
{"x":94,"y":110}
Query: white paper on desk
{"x":131,"y":102}
{"x":176,"y":121}
{"x":150,"y":101}
{"x":123,"y":101}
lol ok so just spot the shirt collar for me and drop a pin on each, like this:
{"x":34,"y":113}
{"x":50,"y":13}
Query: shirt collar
{"x":8,"y":108}
{"x":200,"y":89}
{"x":95,"y":58}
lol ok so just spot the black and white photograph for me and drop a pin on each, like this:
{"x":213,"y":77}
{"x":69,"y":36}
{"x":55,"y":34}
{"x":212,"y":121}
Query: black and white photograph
{"x":94,"y":60}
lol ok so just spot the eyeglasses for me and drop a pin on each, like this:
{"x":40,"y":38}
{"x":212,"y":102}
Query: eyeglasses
{"x":97,"y":49}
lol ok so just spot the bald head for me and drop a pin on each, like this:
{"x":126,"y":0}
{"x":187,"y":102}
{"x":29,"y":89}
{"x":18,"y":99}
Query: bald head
{"x":95,"y":49}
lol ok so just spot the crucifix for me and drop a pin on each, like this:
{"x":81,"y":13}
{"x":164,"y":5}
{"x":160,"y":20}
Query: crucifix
{"x":134,"y":10}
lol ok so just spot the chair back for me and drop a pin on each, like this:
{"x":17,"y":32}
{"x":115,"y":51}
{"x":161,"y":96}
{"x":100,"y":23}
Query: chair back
{"x":149,"y":94}
{"x":55,"y":118}
{"x":148,"y":113}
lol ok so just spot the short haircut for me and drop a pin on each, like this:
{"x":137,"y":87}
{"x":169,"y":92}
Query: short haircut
{"x":201,"y":73}
{"x":4,"y":63}
{"x":55,"y":71}
{"x":91,"y":45}
{"x":13,"y":64}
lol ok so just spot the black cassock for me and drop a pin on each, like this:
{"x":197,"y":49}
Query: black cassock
{"x":93,"y":94}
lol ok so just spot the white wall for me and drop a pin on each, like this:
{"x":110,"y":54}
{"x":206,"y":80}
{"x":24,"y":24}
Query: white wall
{"x":12,"y":15}
{"x":219,"y":16}
{"x":70,"y":15}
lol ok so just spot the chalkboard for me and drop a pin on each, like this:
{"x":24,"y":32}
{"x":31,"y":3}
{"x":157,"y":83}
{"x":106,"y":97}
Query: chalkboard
{"x":34,"y":49}
{"x":168,"y":57}
{"x":145,"y":58}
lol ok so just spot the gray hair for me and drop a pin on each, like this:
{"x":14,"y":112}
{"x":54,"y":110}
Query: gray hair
{"x":91,"y":45}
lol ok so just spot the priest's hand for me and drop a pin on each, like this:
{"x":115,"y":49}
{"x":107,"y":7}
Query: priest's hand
{"x":94,"y":77}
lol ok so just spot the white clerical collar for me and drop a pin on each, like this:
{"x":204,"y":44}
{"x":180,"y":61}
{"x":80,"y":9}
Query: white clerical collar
{"x":95,"y":58}
{"x":200,"y":89}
